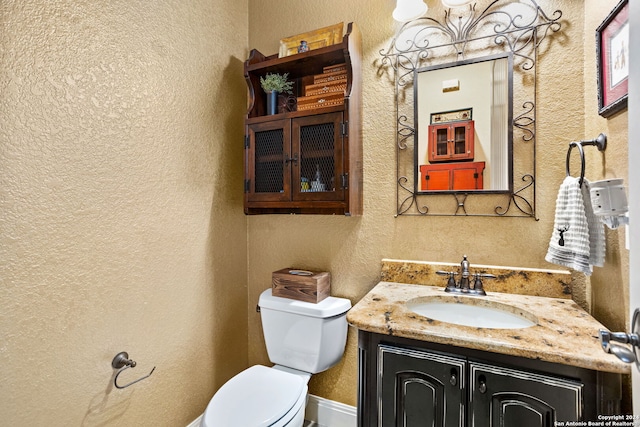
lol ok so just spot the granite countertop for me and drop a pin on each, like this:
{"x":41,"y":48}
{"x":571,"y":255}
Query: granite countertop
{"x":564,"y":332}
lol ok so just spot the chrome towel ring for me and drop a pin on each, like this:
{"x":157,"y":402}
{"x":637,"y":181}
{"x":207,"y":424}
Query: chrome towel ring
{"x":600,"y":142}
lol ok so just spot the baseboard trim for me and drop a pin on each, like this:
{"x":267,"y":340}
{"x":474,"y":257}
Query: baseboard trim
{"x":196,"y":422}
{"x":329,"y":413}
{"x":322,"y":412}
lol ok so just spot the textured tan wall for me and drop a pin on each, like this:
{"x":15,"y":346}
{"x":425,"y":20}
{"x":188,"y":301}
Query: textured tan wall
{"x":610,"y":284}
{"x":352,"y":248}
{"x":121,"y":224}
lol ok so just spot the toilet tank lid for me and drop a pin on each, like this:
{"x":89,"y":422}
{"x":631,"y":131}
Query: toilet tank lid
{"x":328,"y":307}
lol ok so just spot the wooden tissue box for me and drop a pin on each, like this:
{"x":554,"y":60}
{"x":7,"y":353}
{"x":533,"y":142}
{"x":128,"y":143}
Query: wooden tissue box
{"x":301,"y":285}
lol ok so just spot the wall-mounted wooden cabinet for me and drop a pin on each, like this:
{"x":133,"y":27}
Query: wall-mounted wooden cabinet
{"x":306,"y":160}
{"x":452,"y":141}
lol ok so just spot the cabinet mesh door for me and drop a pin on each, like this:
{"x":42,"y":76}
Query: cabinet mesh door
{"x":269,"y":161}
{"x":317,"y":157}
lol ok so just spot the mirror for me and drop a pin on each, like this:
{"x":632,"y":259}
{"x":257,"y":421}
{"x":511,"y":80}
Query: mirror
{"x":463,"y":114}
{"x":447,"y":140}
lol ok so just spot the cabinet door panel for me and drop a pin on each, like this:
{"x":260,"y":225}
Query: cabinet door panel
{"x":518,"y":409}
{"x":419,"y":399}
{"x":419,"y":389}
{"x":318,"y":140}
{"x":442,"y":142}
{"x":435,"y":179}
{"x":459,"y":140}
{"x":503,"y":397}
{"x":463,"y":137}
{"x":467,"y":178}
{"x":268,"y":158}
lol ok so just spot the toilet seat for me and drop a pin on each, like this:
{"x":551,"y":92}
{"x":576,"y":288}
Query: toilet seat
{"x":259,"y":397}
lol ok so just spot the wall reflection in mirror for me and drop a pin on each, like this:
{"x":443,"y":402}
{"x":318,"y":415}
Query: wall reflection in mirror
{"x":463,"y":126}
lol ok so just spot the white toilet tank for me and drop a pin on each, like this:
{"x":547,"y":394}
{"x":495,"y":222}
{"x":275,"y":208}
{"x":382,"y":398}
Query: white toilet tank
{"x":304,"y":336}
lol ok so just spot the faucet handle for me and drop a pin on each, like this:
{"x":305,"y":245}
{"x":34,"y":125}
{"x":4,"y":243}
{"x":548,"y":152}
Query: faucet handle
{"x":451,"y":283}
{"x":446,"y":273}
{"x":478,"y":287}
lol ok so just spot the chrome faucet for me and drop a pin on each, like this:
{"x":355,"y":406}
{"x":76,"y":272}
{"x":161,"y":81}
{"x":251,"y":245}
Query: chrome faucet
{"x":464,"y":285}
{"x":464,"y":273}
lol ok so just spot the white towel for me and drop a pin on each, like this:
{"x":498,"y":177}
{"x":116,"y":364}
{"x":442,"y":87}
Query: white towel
{"x":577,"y":240}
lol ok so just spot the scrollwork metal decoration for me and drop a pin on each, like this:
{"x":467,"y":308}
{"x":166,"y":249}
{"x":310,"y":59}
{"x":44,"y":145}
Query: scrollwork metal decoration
{"x":519,"y":27}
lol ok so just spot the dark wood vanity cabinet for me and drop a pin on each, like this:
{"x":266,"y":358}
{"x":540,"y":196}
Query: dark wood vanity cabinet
{"x":413,"y":383}
{"x":306,"y":160}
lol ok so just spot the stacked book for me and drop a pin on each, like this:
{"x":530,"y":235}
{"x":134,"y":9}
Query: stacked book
{"x":327,"y":90}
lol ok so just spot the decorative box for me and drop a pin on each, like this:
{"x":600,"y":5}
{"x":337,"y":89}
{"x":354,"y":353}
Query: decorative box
{"x":330,"y":77}
{"x":315,"y":39}
{"x":301,"y":285}
{"x":335,"y":68}
{"x":319,"y":89}
{"x":319,"y":101}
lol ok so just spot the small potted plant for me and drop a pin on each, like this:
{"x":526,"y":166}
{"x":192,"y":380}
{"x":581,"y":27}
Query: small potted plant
{"x":273,"y":84}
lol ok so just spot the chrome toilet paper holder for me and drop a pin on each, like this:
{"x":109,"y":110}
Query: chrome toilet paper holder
{"x":121,"y":361}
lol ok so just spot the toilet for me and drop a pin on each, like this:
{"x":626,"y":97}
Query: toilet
{"x":302,"y":339}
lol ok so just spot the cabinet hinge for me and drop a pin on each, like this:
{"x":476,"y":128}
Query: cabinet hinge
{"x":345,"y":128}
{"x":247,"y":185}
{"x":246,"y":141}
{"x":345,"y":180}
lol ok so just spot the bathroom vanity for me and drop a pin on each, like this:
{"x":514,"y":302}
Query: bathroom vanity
{"x":415,"y":370}
{"x":450,"y":386}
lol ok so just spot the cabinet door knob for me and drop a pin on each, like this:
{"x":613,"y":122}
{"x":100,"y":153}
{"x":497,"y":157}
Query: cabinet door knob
{"x":482,"y":386}
{"x":454,"y":379}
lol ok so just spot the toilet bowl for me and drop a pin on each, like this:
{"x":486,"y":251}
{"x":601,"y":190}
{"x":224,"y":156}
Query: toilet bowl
{"x":259,"y":397}
{"x":302,"y":339}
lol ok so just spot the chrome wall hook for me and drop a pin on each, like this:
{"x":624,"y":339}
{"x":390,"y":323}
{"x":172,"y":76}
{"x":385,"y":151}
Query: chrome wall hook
{"x":121,"y":361}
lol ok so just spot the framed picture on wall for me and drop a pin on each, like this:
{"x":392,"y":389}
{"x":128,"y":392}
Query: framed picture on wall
{"x":612,"y":48}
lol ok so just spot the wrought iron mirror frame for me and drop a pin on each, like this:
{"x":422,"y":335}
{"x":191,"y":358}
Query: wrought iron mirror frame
{"x":522,"y":36}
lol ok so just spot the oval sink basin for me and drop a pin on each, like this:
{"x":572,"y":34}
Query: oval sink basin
{"x":472,"y":311}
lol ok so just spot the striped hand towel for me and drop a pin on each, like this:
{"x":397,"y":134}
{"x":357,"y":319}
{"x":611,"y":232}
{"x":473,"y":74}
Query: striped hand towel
{"x":577,"y":240}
